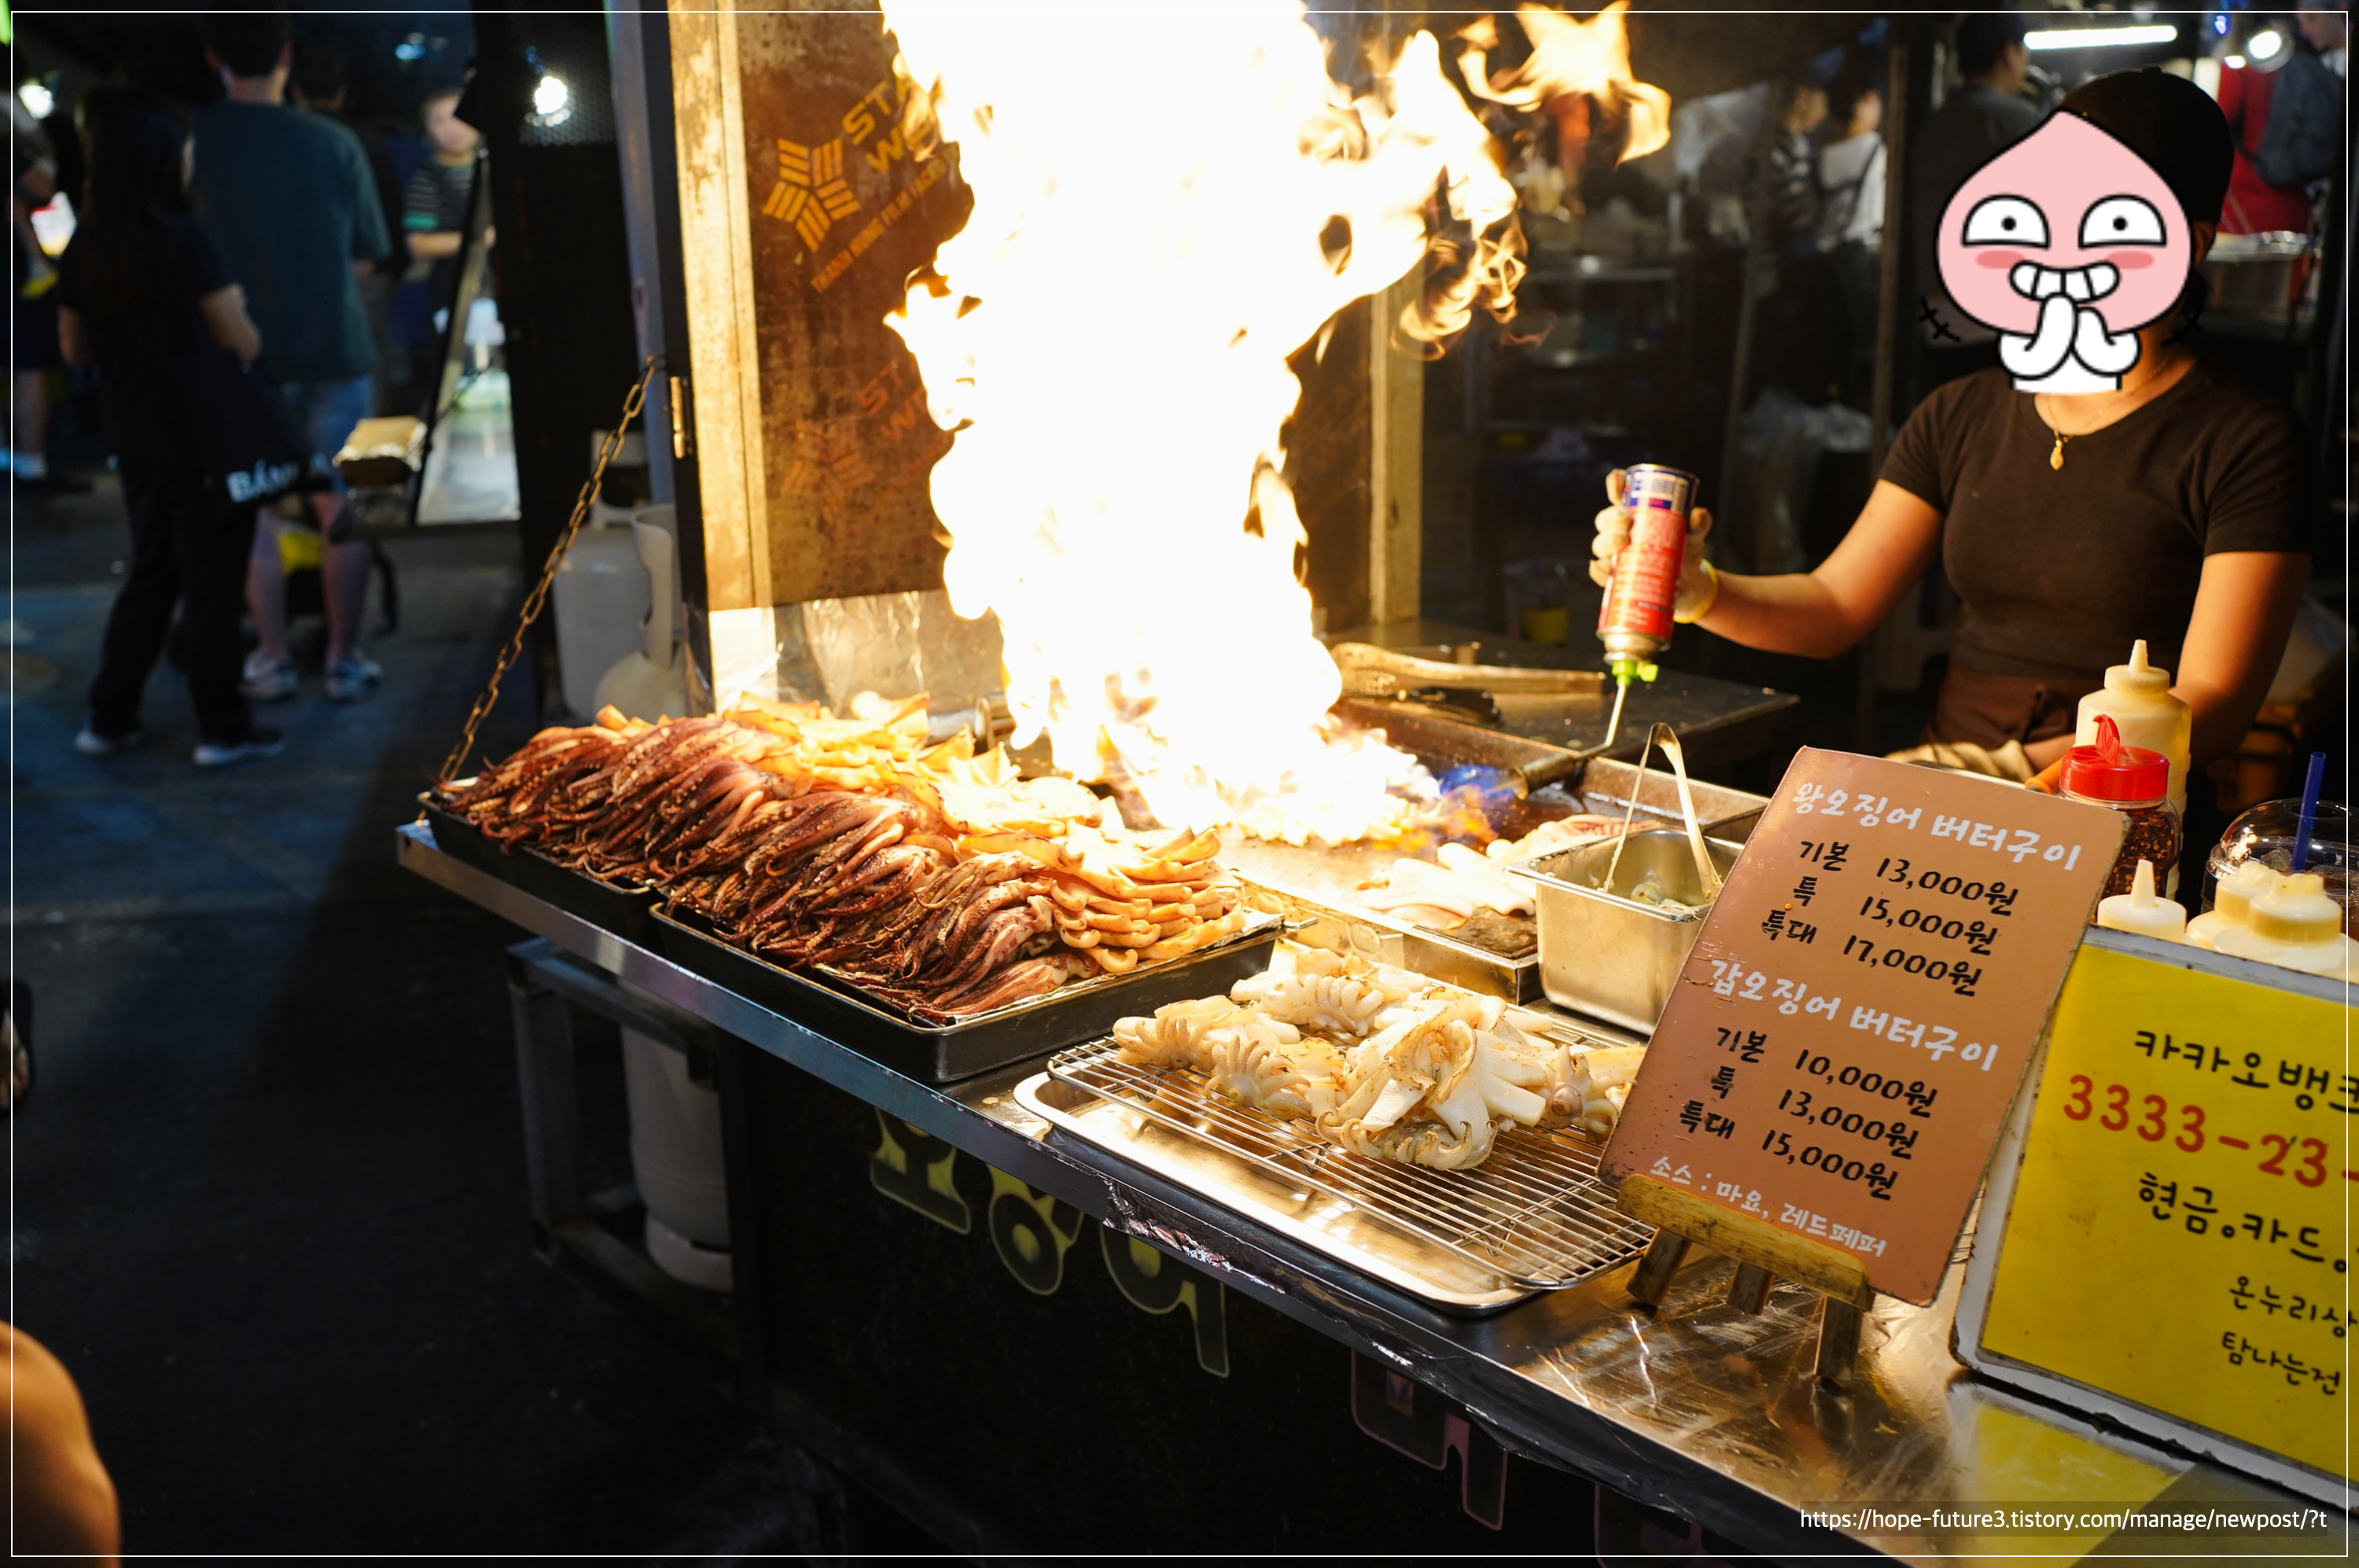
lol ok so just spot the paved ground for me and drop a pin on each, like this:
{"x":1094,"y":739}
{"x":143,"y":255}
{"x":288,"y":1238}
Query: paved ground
{"x":268,"y":1203}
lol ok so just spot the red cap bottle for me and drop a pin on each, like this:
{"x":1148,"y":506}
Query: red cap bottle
{"x":2113,"y":773}
{"x":2136,"y":783}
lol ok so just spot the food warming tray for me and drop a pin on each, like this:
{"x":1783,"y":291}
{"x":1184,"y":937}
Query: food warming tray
{"x":1608,"y":955}
{"x":625,"y":909}
{"x":940,"y":1052}
{"x":1532,"y":1217}
{"x":1497,"y":956}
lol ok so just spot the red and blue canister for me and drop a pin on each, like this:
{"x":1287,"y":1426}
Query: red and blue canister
{"x":1635,"y":622}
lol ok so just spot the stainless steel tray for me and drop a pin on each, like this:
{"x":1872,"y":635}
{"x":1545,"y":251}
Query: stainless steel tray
{"x":1613,"y":957}
{"x":1498,"y":955}
{"x":943,"y":1051}
{"x":1533,"y":1217}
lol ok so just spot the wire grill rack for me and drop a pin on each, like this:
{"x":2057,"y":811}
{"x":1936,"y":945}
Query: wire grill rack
{"x":1534,"y":1213}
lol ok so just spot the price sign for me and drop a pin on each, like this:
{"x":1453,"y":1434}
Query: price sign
{"x":2177,"y":1233}
{"x":1838,"y":1057}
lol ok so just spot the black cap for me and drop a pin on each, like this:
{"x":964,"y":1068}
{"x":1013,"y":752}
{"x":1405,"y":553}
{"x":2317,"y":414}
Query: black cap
{"x":2170,"y":122}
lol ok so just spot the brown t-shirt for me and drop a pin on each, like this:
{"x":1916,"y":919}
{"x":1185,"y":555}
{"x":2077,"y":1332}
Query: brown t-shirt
{"x":2062,"y":570}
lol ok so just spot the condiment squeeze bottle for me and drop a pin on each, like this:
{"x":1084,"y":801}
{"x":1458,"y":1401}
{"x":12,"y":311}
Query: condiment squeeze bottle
{"x":2232,"y":902}
{"x":2295,"y":925}
{"x":2137,"y":695}
{"x":2139,"y":912}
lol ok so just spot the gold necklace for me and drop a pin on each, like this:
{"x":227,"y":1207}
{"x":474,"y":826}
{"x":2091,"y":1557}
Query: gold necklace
{"x":2056,"y":452}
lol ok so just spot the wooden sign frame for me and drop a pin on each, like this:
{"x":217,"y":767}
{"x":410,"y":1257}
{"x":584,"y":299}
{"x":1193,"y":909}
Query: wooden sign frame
{"x":1981,"y":1270}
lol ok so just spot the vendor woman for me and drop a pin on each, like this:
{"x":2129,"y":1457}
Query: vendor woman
{"x":2174,"y":510}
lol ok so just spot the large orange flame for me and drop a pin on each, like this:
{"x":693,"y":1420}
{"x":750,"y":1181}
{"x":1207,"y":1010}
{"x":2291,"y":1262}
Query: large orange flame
{"x":1108,"y":338}
{"x":1575,"y":63}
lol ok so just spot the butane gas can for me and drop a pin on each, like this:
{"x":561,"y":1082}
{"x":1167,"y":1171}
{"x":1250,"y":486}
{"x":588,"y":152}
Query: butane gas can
{"x":1635,"y":622}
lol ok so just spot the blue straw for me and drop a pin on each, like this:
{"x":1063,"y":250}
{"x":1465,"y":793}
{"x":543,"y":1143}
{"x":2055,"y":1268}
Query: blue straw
{"x":2309,"y":789}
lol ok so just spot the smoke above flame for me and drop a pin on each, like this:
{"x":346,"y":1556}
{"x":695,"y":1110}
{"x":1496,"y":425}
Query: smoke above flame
{"x":1108,"y":337}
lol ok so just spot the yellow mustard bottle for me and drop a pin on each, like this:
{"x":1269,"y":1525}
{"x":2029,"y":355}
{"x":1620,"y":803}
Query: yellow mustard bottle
{"x":2137,"y":695}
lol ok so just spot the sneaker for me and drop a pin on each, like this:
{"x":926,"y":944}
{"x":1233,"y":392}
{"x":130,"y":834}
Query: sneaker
{"x":267,"y":680}
{"x":258,"y":742}
{"x":349,"y":680}
{"x":91,"y":743}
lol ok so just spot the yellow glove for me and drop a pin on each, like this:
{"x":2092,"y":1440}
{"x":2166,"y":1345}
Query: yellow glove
{"x":1698,"y":585}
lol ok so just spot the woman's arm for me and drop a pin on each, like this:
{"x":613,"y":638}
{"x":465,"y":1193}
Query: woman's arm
{"x":1822,"y":613}
{"x":435,"y":246}
{"x":225,"y":317}
{"x":71,"y":342}
{"x":2245,"y":607}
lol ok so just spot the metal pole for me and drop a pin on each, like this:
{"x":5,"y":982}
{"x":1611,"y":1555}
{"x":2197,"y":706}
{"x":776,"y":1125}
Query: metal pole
{"x":1896,"y":230}
{"x":1888,"y":258}
{"x":1757,"y":256}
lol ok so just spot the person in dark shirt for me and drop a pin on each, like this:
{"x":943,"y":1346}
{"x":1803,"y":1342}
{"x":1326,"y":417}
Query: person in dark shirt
{"x":288,"y":198}
{"x":142,"y":288}
{"x":319,"y":87}
{"x":1984,"y":115}
{"x":2175,"y":509}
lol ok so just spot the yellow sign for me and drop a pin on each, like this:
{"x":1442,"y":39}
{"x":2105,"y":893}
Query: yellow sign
{"x":2176,"y":1237}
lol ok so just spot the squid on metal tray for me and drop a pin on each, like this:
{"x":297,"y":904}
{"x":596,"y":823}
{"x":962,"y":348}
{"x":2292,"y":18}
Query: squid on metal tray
{"x":1379,"y":1063}
{"x":934,"y":877}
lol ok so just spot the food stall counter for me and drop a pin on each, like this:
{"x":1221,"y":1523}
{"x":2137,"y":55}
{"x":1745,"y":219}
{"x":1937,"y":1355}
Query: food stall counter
{"x":1696,"y":1408}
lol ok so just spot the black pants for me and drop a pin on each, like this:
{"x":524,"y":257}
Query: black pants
{"x":186,"y":550}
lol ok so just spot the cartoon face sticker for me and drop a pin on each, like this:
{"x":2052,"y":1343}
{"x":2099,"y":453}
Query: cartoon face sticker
{"x":2065,"y":245}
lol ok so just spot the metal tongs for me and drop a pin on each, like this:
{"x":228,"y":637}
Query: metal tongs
{"x":1371,"y":671}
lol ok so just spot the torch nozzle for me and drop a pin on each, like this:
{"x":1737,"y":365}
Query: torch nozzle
{"x":1623,"y":669}
{"x":1621,"y":695}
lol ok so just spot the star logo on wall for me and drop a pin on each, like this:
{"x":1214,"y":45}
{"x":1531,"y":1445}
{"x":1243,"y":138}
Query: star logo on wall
{"x":811,"y":193}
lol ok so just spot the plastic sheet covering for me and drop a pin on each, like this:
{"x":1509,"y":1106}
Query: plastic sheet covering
{"x":828,"y":650}
{"x":1779,"y":442}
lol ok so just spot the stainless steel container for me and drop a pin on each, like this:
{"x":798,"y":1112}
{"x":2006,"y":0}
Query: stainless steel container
{"x":1604,"y":953}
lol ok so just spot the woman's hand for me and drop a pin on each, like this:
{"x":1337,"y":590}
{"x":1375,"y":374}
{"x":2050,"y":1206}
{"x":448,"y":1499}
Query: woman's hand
{"x":1613,"y":532}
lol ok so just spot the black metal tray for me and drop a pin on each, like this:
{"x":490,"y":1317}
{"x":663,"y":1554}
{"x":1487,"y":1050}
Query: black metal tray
{"x":944,"y":1052}
{"x":626,"y":910}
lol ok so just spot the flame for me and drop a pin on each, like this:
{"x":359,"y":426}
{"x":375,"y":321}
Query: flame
{"x":1572,"y":59}
{"x":1107,"y":338}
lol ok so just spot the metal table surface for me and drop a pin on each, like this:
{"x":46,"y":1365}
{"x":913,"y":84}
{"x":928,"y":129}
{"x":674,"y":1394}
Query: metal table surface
{"x":1717,"y":721}
{"x":1697,"y":1409}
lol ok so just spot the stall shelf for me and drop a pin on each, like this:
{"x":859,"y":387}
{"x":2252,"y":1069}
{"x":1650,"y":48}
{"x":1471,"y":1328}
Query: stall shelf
{"x":1699,"y":1411}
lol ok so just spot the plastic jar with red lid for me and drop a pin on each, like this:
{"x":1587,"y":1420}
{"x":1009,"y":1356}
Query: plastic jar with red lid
{"x":2135,"y":782}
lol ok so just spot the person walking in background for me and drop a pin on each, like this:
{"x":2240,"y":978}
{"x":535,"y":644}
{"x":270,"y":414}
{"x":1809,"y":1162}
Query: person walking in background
{"x":434,"y":210}
{"x":1852,"y":171}
{"x":1793,"y":171}
{"x":33,"y":279}
{"x":2287,"y":117}
{"x":1985,"y":113}
{"x":142,"y":287}
{"x":319,"y":87}
{"x":290,"y":200}
{"x":1800,"y":319}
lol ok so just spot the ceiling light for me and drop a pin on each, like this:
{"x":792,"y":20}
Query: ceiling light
{"x":2266,"y":44}
{"x":2100,"y":38}
{"x":38,"y":101}
{"x":2233,"y":62}
{"x":551,"y":100}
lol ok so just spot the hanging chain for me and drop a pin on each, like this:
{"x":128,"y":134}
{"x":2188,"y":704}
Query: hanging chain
{"x":539,"y":597}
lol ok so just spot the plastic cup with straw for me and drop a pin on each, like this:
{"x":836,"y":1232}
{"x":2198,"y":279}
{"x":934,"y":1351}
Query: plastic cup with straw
{"x":2308,"y":825}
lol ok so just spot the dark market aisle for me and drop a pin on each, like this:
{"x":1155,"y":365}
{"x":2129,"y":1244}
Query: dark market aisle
{"x":268,"y":1200}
